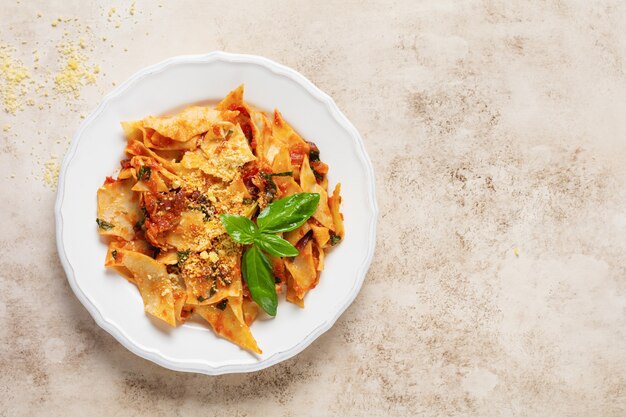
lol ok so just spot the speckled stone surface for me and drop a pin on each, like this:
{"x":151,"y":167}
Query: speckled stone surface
{"x":497,"y":130}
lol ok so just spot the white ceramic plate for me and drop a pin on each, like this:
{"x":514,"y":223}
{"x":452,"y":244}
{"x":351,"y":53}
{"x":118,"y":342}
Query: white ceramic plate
{"x":96,"y":151}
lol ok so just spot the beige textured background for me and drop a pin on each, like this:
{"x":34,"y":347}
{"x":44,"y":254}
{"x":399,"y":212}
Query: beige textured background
{"x":497,"y":131}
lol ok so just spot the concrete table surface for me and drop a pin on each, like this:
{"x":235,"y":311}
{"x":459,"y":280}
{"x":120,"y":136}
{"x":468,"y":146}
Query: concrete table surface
{"x":497,"y":130}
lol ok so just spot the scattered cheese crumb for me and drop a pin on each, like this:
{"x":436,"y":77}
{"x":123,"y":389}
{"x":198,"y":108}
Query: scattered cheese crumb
{"x":39,"y":14}
{"x":54,"y":23}
{"x":13,"y":76}
{"x":75,"y":74}
{"x":111,"y":11}
{"x":516,"y":251}
{"x":132,"y":8}
{"x":6,"y":127}
{"x":51,"y":173}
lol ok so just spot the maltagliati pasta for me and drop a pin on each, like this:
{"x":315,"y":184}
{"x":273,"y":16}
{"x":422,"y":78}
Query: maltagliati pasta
{"x":191,"y":207}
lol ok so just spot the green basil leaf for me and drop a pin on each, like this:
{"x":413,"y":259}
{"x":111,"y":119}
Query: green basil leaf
{"x":334,"y":239}
{"x":257,"y":272}
{"x":275,"y":245}
{"x":240,"y":228}
{"x":104,"y":225}
{"x":314,"y":155}
{"x":288,"y":213}
{"x":144,"y":173}
{"x":183,"y":255}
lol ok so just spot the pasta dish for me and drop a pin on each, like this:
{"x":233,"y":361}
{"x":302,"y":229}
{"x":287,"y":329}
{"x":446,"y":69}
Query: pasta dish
{"x":218,"y":211}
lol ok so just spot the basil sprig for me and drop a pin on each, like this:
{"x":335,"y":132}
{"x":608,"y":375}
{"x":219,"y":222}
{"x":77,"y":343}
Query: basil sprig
{"x":282,"y":215}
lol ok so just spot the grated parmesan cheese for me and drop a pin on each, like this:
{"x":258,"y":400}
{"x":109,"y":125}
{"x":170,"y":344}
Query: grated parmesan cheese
{"x":75,"y":74}
{"x":51,"y":173}
{"x":13,"y":77}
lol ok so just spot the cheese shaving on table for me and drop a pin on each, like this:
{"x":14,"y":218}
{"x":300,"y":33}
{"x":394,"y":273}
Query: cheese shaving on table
{"x":13,"y":78}
{"x":75,"y":73}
